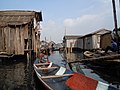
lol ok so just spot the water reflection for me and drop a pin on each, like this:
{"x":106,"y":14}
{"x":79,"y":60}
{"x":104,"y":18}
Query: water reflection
{"x":110,"y":74}
{"x":37,"y":84}
{"x":13,"y":75}
{"x":73,"y":56}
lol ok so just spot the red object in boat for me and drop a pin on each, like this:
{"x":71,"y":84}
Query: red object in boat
{"x":81,"y":82}
{"x":40,"y":55}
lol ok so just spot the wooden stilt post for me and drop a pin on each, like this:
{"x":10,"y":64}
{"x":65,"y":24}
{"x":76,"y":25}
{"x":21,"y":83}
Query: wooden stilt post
{"x":29,"y":59}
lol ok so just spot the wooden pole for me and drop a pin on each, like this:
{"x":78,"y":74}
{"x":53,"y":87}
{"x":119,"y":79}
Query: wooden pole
{"x":56,"y":76}
{"x":115,"y":17}
{"x":29,"y":60}
{"x":115,"y":23}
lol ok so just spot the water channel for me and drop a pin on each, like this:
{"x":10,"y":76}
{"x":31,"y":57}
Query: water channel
{"x":13,"y":73}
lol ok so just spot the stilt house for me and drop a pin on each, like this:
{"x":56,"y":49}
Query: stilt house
{"x":19,"y":31}
{"x":95,"y":40}
{"x":73,"y":43}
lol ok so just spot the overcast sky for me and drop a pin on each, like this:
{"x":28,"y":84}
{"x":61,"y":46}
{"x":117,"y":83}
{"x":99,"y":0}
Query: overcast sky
{"x":70,"y":17}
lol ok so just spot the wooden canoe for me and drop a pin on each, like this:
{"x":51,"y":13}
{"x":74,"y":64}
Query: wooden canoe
{"x":100,"y":59}
{"x":54,"y":77}
{"x":99,"y":54}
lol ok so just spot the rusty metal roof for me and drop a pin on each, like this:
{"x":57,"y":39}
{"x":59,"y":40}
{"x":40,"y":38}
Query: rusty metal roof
{"x":18,"y":17}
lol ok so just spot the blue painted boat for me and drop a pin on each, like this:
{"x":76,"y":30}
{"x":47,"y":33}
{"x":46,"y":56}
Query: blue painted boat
{"x":54,"y":77}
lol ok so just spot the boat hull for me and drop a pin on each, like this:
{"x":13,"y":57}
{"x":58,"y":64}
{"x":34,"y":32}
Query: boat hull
{"x":56,"y":82}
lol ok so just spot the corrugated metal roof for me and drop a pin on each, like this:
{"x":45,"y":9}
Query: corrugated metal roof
{"x":98,"y":32}
{"x":71,"y":37}
{"x":18,"y":17}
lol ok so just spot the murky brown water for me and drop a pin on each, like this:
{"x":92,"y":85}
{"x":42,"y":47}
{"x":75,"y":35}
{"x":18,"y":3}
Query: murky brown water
{"x":13,"y":73}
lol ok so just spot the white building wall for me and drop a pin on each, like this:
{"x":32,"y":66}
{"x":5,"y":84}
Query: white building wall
{"x":92,"y":42}
{"x":80,"y":43}
{"x":75,"y":43}
{"x":96,"y":41}
{"x":88,"y":42}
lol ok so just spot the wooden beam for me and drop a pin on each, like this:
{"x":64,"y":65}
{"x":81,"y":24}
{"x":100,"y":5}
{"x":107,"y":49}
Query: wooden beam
{"x":47,"y":68}
{"x":39,"y":64}
{"x":55,"y":76}
{"x":116,"y":60}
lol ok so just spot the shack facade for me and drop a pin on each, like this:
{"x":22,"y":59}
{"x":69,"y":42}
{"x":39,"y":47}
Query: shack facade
{"x":93,"y":40}
{"x":105,"y":40}
{"x":19,"y":31}
{"x":72,"y":43}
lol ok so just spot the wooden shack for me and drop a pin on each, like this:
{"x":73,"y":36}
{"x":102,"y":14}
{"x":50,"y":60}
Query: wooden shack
{"x":19,"y":31}
{"x":92,"y":41}
{"x":105,"y":40}
{"x":73,"y":43}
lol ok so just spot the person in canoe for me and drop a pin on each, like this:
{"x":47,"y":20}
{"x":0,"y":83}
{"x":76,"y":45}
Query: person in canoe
{"x":42,"y":58}
{"x":113,"y":47}
{"x":115,"y":44}
{"x":115,"y":37}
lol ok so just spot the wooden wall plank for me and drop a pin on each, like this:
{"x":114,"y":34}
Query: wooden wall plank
{"x":15,"y":46}
{"x":12,"y":37}
{"x":17,"y":41}
{"x":6,"y":33}
{"x":8,"y":39}
{"x":25,"y":32}
{"x":21,"y":40}
{"x":33,"y":40}
{"x":1,"y":40}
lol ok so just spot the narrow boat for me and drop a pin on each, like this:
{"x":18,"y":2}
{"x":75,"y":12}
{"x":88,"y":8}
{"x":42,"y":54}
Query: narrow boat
{"x":90,"y":54}
{"x":100,"y":59}
{"x":100,"y":53}
{"x":54,"y":77}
